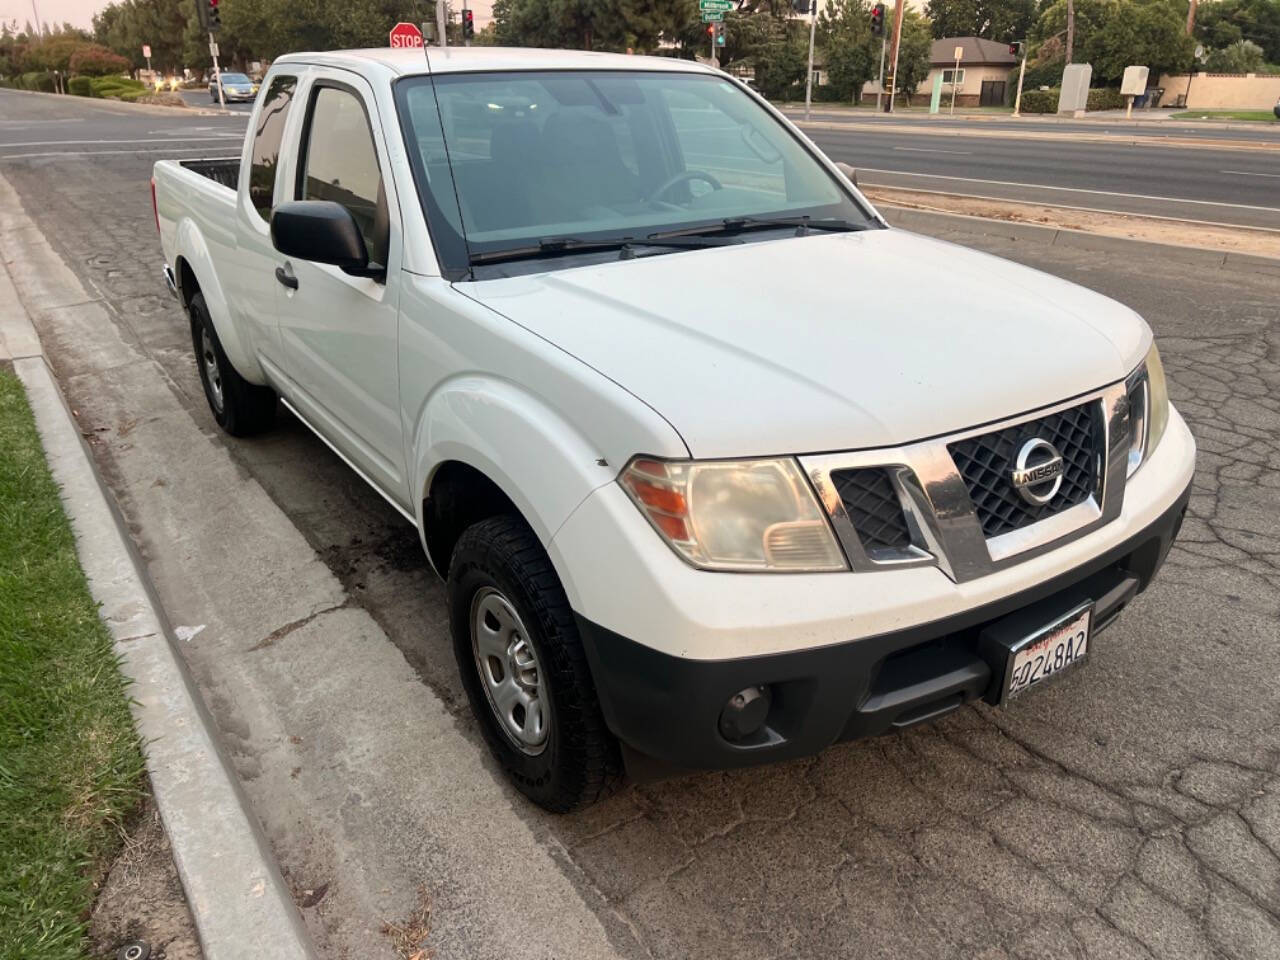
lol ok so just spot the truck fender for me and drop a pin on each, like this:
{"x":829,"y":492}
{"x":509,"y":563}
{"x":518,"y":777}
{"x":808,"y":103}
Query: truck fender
{"x":535,"y":456}
{"x":194,"y":252}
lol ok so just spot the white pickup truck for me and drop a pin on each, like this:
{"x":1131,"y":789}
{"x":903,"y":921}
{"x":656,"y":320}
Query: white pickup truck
{"x":719,"y":468}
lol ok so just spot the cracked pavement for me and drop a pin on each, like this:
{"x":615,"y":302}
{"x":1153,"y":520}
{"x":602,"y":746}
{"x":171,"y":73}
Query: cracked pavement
{"x":1131,"y":809}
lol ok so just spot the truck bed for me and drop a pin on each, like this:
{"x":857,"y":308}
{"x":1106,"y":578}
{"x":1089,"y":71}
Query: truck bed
{"x":224,"y":171}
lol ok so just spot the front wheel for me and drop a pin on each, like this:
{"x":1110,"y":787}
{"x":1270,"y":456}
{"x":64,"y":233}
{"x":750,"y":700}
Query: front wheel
{"x":241,"y":408}
{"x":524,"y":668}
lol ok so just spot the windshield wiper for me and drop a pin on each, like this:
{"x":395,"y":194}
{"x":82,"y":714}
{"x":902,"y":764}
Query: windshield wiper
{"x":738,"y":224}
{"x":558,"y":246}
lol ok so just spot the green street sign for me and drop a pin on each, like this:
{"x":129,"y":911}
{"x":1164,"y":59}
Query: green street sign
{"x":712,"y":16}
{"x":721,"y":5}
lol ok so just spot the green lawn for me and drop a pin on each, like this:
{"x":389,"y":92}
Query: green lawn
{"x":1266,"y":116}
{"x":71,"y":769}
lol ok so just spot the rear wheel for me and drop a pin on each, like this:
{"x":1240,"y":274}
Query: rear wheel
{"x":241,"y":408}
{"x":524,"y":668}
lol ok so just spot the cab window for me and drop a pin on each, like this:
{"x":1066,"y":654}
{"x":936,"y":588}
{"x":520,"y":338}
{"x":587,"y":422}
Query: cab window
{"x":266,"y":143}
{"x":340,"y":163}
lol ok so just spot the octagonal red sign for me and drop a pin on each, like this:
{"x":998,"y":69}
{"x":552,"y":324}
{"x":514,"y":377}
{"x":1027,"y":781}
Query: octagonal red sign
{"x":406,"y":35}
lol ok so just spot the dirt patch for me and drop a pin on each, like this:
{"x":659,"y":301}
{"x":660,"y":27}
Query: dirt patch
{"x":1180,"y":233}
{"x":142,"y":899}
{"x":409,"y":936}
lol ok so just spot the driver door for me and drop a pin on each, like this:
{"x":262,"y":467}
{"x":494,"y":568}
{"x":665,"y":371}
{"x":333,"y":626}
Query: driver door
{"x":339,"y":332}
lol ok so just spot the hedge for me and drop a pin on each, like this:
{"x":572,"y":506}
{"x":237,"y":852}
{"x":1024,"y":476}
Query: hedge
{"x":1039,"y":101}
{"x":36,"y":80}
{"x":1105,"y":98}
{"x":80,"y":87}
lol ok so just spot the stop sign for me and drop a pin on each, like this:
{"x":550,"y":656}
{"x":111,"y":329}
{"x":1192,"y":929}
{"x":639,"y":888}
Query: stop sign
{"x":406,"y":35}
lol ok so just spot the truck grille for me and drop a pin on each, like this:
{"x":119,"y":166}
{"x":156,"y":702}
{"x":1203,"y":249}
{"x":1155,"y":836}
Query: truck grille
{"x":986,"y":464}
{"x":873,"y":508}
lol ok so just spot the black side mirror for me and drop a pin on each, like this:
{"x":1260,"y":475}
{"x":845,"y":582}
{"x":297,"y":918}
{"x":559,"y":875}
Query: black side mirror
{"x":848,"y":170}
{"x":323,"y":232}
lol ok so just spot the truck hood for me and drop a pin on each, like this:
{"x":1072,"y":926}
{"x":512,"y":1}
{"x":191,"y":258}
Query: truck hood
{"x":827,"y":342}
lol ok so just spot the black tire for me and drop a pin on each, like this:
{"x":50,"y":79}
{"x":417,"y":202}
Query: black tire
{"x":241,"y":408}
{"x":580,"y":761}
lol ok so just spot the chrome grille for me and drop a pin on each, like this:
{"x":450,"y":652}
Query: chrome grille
{"x":873,"y":508}
{"x":986,"y":464}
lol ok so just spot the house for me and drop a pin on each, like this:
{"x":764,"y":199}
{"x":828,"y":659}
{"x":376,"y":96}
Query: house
{"x":983,"y":77}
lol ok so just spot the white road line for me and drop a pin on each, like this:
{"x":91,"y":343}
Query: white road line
{"x":959,"y":153}
{"x":27,"y":123}
{"x":98,"y":153}
{"x":1071,"y":206}
{"x":1045,"y":186}
{"x":1249,"y":173}
{"x":76,"y":143}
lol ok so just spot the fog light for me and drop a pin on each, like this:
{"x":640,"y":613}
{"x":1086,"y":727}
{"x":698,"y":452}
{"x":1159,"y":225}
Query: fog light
{"x":745,"y":713}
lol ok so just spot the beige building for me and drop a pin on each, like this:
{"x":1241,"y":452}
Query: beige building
{"x":982,"y":79}
{"x":1221,"y":91}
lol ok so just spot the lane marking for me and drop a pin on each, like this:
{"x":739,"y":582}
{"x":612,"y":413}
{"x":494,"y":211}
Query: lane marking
{"x":1045,"y":186}
{"x":27,"y":123}
{"x":888,"y":202}
{"x":73,"y":143}
{"x":958,"y":153}
{"x":104,"y":153}
{"x":1250,"y":173}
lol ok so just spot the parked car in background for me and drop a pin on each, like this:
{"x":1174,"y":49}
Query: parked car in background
{"x":235,"y":87}
{"x":719,"y":468}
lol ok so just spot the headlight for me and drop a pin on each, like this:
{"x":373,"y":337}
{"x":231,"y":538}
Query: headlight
{"x":735,"y":515}
{"x":1148,"y":408}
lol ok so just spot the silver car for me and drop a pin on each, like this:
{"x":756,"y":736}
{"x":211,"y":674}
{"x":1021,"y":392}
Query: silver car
{"x":235,"y":86}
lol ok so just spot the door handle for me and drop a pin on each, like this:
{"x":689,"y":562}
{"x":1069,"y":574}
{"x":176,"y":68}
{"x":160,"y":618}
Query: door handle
{"x":286,"y":278}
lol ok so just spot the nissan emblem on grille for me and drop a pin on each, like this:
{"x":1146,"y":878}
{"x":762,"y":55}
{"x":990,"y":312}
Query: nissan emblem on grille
{"x":1038,"y":474}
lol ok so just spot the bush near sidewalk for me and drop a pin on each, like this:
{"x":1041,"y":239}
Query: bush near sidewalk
{"x":71,"y":769}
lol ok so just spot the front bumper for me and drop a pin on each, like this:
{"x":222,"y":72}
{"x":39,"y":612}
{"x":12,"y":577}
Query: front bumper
{"x":667,"y":708}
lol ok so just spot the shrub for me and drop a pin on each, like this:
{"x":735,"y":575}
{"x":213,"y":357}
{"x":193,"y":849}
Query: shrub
{"x":80,"y":87}
{"x":1105,"y":98}
{"x":1039,"y":101}
{"x":92,"y":60}
{"x":41,"y":80}
{"x":164,"y":99}
{"x":116,"y":87}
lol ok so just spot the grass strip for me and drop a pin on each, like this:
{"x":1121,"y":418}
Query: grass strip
{"x":71,"y":769}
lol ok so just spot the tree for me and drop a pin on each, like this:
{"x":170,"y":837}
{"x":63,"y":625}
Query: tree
{"x":1113,"y":34}
{"x":850,"y":51}
{"x":1244,"y":56}
{"x":1222,"y":23}
{"x":93,"y":60}
{"x":914,"y":53}
{"x":1002,"y":20}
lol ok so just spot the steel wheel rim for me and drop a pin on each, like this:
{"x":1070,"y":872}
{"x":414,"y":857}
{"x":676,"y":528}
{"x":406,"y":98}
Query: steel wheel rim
{"x":212,"y":375}
{"x":509,"y":671}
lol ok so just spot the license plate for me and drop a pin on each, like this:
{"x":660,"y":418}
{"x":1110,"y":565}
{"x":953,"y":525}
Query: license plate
{"x":1052,"y":651}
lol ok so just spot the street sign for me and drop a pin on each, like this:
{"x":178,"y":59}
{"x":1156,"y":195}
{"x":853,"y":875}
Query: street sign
{"x":721,"y":5}
{"x":959,"y":53}
{"x":712,"y":16}
{"x":405,"y":35}
{"x":146,"y":51}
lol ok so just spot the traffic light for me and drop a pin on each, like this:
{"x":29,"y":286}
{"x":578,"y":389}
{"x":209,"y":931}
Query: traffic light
{"x":877,"y":20}
{"x":801,"y":6}
{"x":468,"y":24}
{"x":215,"y":17}
{"x":1015,"y":49}
{"x":719,"y":34}
{"x":711,"y":30}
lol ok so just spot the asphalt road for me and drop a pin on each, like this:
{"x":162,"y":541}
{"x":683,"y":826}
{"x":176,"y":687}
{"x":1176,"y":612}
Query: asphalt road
{"x":199,"y":97}
{"x":1132,"y":810}
{"x":1202,"y":182}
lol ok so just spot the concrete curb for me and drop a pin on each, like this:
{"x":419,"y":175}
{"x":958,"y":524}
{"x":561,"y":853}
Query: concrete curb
{"x":927,"y":221}
{"x":1085,"y":122}
{"x":119,"y":106}
{"x":239,"y":900}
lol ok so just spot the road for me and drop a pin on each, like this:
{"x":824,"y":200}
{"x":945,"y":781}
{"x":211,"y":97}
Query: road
{"x":1202,"y":182}
{"x":1130,"y":811}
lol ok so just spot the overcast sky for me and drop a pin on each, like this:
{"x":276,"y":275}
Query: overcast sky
{"x":80,"y":12}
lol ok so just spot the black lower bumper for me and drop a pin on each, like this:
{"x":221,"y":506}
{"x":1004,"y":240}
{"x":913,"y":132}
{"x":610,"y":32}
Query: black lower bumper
{"x":668,"y":709}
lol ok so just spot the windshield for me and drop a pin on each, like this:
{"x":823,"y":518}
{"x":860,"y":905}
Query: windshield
{"x":511,"y":161}
{"x":234,"y":78}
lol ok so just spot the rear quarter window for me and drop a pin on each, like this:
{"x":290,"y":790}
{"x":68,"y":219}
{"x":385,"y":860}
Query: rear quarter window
{"x":267,"y":137}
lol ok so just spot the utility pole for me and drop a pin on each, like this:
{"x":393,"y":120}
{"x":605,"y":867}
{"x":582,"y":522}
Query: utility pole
{"x":808,"y":80}
{"x":39,"y":28}
{"x":1071,"y":29}
{"x":442,"y":21}
{"x":1191,"y":16}
{"x":884,"y":41}
{"x":1021,"y":46}
{"x":893,"y":58}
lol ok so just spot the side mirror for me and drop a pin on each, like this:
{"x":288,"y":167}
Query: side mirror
{"x":322,"y":231}
{"x":849,"y":171}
